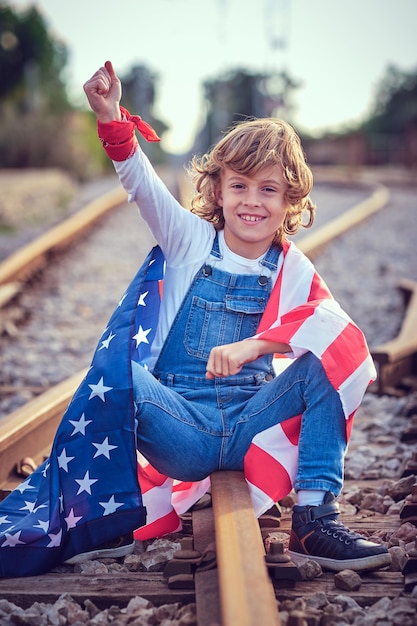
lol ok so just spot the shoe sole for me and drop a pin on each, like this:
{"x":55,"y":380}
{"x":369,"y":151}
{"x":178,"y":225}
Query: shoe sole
{"x":110,"y":553}
{"x":358,"y":565}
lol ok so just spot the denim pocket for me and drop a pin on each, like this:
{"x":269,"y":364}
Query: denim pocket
{"x":212,"y":324}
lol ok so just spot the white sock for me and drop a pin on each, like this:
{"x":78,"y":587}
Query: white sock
{"x":312,"y":497}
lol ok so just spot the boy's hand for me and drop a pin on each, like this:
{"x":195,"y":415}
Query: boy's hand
{"x":228,"y":360}
{"x":104,"y":92}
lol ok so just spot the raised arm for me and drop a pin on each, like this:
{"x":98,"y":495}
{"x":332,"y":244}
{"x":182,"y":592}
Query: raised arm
{"x":181,"y":234}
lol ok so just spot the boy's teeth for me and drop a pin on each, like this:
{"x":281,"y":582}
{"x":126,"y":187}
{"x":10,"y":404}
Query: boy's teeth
{"x":250,"y":218}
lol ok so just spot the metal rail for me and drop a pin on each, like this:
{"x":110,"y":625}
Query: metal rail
{"x":313,"y":242}
{"x":396,"y":359}
{"x":246,"y":593}
{"x":29,"y":430}
{"x":27,"y":259}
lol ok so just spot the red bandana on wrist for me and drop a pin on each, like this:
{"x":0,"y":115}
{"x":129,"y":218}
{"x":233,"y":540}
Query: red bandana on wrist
{"x":143,"y":127}
{"x":119,"y":139}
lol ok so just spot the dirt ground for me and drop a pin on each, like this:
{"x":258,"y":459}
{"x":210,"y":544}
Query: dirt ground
{"x":30,"y":202}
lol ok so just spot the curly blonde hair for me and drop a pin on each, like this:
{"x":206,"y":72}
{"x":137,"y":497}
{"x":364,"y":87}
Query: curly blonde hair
{"x":246,"y":148}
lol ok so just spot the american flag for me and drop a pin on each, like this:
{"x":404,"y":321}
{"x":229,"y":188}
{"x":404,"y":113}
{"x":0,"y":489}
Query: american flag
{"x":87,"y":491}
{"x":95,"y":486}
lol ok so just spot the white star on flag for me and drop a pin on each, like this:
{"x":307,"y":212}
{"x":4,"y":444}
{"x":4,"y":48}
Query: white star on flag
{"x":106,"y":342}
{"x":104,"y":448}
{"x":80,"y":426}
{"x":43,"y":525}
{"x":30,"y":506}
{"x":85,"y":483}
{"x":24,"y":486}
{"x":55,"y":539}
{"x":12,"y":540}
{"x":111,"y":506}
{"x":63,"y":460}
{"x":141,"y":301}
{"x":72,"y":519}
{"x":41,"y":506}
{"x":142,"y":336}
{"x":99,"y":390}
{"x":4,"y":519}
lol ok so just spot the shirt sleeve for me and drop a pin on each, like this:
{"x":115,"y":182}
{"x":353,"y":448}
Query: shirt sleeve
{"x":184,"y":237}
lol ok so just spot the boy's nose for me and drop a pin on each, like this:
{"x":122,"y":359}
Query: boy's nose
{"x":252,"y":199}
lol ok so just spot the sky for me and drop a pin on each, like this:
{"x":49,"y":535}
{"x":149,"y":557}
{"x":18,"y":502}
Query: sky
{"x":337,"y":50}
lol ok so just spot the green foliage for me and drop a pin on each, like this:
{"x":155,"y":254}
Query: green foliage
{"x":39,"y":126}
{"x":395,"y":108}
{"x":31,"y":62}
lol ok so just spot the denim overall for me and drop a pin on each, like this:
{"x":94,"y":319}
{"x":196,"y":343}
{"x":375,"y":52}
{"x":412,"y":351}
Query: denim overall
{"x":189,"y":426}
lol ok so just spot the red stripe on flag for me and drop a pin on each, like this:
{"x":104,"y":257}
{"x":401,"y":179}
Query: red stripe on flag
{"x":266,"y":473}
{"x":169,"y":523}
{"x":291,"y":429}
{"x":339,"y":360}
{"x":319,"y":290}
{"x":182,"y":486}
{"x":271,"y":310}
{"x":149,"y":477}
{"x":290,"y":323}
{"x":349,"y":424}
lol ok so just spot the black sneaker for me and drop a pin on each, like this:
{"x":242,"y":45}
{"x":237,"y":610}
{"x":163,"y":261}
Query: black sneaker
{"x":121,"y":546}
{"x":317,"y":535}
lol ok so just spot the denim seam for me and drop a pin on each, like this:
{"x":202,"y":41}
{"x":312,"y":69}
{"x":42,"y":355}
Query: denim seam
{"x":174,"y":415}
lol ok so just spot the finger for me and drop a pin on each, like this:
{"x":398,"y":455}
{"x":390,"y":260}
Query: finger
{"x":110,"y":69}
{"x":99,"y":82}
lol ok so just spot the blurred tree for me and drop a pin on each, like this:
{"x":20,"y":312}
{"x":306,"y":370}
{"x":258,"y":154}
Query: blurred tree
{"x":31,"y":62}
{"x":240,"y":94}
{"x":38,"y":126}
{"x":395,"y":102}
{"x":388,"y":136}
{"x":391,"y":129}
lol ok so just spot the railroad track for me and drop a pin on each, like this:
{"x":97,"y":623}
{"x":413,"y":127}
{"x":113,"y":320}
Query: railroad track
{"x":243,"y":588}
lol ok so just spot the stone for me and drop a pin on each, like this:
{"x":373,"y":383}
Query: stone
{"x":398,"y":558}
{"x":373,"y":502}
{"x":406,"y":532}
{"x":348,"y":580}
{"x":309,"y":569}
{"x":138,"y":603}
{"x":402,"y":488}
{"x":91,"y":567}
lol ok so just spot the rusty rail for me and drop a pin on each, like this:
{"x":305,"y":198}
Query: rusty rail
{"x":396,"y":360}
{"x":29,"y":430}
{"x":246,"y":593}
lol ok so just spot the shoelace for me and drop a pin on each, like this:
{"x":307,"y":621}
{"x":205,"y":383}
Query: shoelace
{"x":337,"y":530}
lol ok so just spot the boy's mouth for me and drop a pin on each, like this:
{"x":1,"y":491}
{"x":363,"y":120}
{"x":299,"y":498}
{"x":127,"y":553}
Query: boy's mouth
{"x":251,"y":218}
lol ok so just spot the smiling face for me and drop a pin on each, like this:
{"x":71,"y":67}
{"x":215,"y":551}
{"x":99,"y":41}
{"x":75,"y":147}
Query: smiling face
{"x":254,"y":208}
